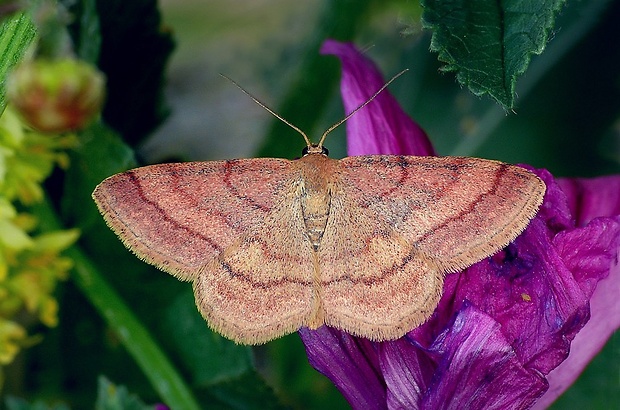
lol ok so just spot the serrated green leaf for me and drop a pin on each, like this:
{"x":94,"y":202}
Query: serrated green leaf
{"x":488,"y":43}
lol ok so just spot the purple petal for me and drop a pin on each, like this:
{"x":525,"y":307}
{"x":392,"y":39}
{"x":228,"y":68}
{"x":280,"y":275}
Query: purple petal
{"x":351,"y":363}
{"x":527,"y":288}
{"x":589,"y":252}
{"x":589,"y":198}
{"x":554,"y":210}
{"x":478,"y":368}
{"x":592,"y":249}
{"x":407,"y":370}
{"x":381,"y":127}
{"x":605,"y":311}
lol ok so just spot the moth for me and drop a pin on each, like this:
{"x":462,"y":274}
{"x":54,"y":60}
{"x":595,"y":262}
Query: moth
{"x":361,"y":243}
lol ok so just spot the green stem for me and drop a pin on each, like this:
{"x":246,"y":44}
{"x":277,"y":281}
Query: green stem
{"x":135,"y":337}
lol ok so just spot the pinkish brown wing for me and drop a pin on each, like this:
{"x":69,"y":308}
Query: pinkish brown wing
{"x":179,"y":216}
{"x":233,"y":228}
{"x":410,"y":220}
{"x":455,"y":210}
{"x":263,"y":286}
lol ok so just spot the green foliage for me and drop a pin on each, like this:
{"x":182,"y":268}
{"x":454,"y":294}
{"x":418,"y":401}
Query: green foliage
{"x":318,"y":76}
{"x":30,"y":262}
{"x":109,"y":397}
{"x":217,"y":360}
{"x":16,"y":34}
{"x":14,"y":403}
{"x":489,"y":43}
{"x":113,"y":397}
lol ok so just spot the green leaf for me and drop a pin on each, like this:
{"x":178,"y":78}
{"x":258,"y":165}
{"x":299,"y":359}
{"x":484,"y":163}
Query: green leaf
{"x":113,"y":397}
{"x":56,"y":241}
{"x":136,"y":338}
{"x":85,"y":29}
{"x":247,"y":392}
{"x":213,"y":363}
{"x":13,"y":236}
{"x":575,"y":25}
{"x":488,"y":43}
{"x":212,"y":358}
{"x":14,"y":403}
{"x":101,"y":153}
{"x":16,"y":34}
{"x":131,"y":46}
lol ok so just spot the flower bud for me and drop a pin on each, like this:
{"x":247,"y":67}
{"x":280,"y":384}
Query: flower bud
{"x":56,"y":96}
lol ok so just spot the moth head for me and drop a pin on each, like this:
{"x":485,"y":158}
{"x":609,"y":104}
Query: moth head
{"x":314,"y":149}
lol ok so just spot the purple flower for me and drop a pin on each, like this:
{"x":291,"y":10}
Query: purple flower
{"x":501,"y":334}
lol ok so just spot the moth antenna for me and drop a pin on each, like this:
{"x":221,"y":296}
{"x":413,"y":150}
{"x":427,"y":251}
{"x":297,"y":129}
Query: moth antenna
{"x":339,"y":123}
{"x":269,"y":110}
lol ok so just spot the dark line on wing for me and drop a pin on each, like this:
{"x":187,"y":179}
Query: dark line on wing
{"x":227,"y":174}
{"x":498,"y":176}
{"x":261,"y":284}
{"x":136,"y":182}
{"x":402,"y":166}
{"x":385,"y":274}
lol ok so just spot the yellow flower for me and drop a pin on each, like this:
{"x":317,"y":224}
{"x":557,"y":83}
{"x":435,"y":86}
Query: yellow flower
{"x":12,"y":336}
{"x":30,"y":262}
{"x":27,"y":157}
{"x":12,"y":236}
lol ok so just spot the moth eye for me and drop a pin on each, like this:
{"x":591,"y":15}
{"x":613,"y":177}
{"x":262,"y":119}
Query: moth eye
{"x":306,"y":151}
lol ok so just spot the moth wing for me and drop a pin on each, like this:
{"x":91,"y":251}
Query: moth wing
{"x":179,"y":216}
{"x":230,"y":227}
{"x":265,"y":286}
{"x":455,"y":210}
{"x":410,"y":220}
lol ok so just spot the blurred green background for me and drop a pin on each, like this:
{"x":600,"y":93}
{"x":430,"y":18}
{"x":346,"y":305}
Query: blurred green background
{"x":566,"y":119}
